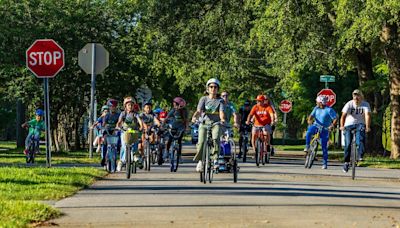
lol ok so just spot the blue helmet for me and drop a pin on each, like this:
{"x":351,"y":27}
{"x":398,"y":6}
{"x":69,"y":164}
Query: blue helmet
{"x":39,"y":112}
{"x":157,"y":110}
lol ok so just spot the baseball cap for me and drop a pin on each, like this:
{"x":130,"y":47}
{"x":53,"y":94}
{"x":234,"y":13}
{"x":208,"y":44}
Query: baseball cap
{"x":357,"y":92}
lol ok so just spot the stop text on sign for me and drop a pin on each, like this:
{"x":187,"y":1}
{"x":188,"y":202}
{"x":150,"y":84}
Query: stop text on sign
{"x":44,"y":58}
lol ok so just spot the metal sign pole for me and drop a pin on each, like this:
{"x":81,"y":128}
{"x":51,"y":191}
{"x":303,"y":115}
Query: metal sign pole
{"x":92,"y":98}
{"x":47,"y":121}
{"x":284,"y":129}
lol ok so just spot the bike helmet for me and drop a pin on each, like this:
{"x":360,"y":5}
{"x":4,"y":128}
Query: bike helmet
{"x":112,"y":103}
{"x":180,"y":101}
{"x":104,"y":107}
{"x":157,"y":110}
{"x":163,"y":115}
{"x":39,"y":112}
{"x":127,"y":100}
{"x":261,"y":98}
{"x":136,"y":107}
{"x":213,"y":80}
{"x":247,"y":103}
{"x":322,"y":99}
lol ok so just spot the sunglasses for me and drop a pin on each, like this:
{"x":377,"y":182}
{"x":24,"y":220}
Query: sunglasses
{"x":213,"y":87}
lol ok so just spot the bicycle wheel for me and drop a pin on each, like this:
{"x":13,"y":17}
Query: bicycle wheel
{"x":258,"y":149}
{"x":134,"y":167}
{"x":128,"y":162}
{"x":263,"y":153}
{"x":147,"y":156}
{"x":244,"y":151}
{"x":313,"y":153}
{"x":307,"y":159}
{"x":177,"y":158}
{"x":172,"y":157}
{"x":353,"y":160}
{"x":235,"y":170}
{"x":160,"y":160}
{"x":267,"y":155}
{"x":206,"y":164}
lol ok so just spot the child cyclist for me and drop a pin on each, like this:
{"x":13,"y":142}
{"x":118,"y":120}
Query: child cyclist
{"x":98,"y":140}
{"x":148,"y":120}
{"x":179,"y":117}
{"x":109,"y":124}
{"x":129,"y":118}
{"x":35,"y":127}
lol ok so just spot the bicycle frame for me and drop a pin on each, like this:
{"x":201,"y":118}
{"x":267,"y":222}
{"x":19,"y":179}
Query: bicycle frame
{"x":261,"y":145}
{"x":208,"y":166}
{"x":313,"y":150}
{"x":174,"y":148}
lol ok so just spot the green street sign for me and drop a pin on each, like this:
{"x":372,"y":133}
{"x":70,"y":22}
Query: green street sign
{"x":327,"y":78}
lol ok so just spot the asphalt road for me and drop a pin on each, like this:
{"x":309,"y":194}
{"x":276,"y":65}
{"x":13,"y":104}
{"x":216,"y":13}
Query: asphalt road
{"x":280,"y":194}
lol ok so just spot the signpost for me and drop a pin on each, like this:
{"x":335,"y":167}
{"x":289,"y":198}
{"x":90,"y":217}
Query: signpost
{"x":93,"y":58}
{"x":45,"y":58}
{"x":330,"y":95}
{"x":285,"y":106}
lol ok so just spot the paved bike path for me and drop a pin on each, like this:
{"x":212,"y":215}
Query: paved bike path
{"x":280,"y":194}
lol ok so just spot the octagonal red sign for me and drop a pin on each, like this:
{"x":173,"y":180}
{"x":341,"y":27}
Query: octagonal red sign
{"x":45,"y":58}
{"x":330,"y":95}
{"x":285,"y":106}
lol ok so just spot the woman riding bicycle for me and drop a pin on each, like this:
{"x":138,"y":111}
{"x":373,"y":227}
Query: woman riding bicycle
{"x":324,"y":116}
{"x":263,"y":117}
{"x":211,"y":110}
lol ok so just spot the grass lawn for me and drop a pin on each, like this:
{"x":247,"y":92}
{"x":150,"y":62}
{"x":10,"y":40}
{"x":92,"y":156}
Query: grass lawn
{"x":22,"y":187}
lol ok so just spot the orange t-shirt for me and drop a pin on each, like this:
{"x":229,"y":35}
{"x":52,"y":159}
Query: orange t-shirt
{"x":262,"y":115}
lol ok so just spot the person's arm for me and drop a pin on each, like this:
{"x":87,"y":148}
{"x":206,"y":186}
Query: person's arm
{"x":198,"y":109}
{"x":156,"y":121}
{"x":222,"y":116}
{"x":250,"y":116}
{"x":140,"y":123}
{"x":310,"y":118}
{"x":368,"y":121}
{"x":342,"y":120}
{"x":120,"y":120}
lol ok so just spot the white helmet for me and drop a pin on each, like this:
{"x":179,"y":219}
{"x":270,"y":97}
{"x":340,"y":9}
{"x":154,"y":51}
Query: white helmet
{"x":322,"y":99}
{"x":213,"y":80}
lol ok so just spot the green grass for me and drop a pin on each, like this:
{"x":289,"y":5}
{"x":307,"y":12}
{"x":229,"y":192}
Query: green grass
{"x":380,"y":162}
{"x":23,"y":186}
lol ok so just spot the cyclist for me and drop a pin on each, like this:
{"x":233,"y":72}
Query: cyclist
{"x":244,"y":112}
{"x":179,"y":116}
{"x":326,"y":117}
{"x":109,"y":123}
{"x":36,"y":126}
{"x":263,"y":115}
{"x":98,"y":140}
{"x":148,"y":120}
{"x":356,"y":114}
{"x":211,"y":110}
{"x":157,"y":112}
{"x":230,"y":110}
{"x":128,"y":119}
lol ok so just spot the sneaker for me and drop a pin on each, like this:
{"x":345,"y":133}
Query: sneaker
{"x":216,"y":164}
{"x":119,"y":166}
{"x":324,"y":167}
{"x":140,"y":162}
{"x":199,"y":167}
{"x":306,"y":149}
{"x":272,"y":151}
{"x":360,"y":159}
{"x":345,"y":168}
{"x":103,"y":162}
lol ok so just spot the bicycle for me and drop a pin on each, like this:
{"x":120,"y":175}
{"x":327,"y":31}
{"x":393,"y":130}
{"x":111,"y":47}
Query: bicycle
{"x":148,"y":148}
{"x":263,"y":153}
{"x":131,"y":139}
{"x":111,"y":154}
{"x":207,"y":172}
{"x":174,"y":153}
{"x":227,"y":159}
{"x":354,"y":150}
{"x":155,"y":151}
{"x":244,"y":138}
{"x":33,"y":148}
{"x":313,"y":150}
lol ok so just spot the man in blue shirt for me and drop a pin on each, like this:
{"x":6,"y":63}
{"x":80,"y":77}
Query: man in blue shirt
{"x":326,"y":117}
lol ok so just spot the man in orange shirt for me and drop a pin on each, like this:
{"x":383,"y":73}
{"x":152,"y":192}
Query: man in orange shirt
{"x":263,"y":117}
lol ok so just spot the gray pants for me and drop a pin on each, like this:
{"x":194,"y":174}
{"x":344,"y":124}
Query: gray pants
{"x":216,"y":134}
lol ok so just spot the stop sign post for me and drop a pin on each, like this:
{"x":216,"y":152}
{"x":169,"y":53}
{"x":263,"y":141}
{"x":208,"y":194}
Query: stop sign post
{"x":330,"y":95}
{"x":45,"y":58}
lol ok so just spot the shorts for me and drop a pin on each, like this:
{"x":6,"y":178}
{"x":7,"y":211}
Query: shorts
{"x":266,"y":128}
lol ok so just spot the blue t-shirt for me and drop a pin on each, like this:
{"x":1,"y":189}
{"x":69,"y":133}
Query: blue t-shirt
{"x":323,"y":116}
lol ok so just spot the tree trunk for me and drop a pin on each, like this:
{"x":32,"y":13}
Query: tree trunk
{"x":392,"y":51}
{"x":21,"y":133}
{"x":374,"y":98}
{"x":55,"y":140}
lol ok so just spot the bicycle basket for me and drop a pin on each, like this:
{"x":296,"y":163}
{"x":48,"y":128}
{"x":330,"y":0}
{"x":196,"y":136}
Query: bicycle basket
{"x":131,"y":136}
{"x":112,"y":139}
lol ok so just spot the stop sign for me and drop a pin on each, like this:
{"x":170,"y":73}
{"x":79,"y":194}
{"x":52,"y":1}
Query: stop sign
{"x":45,"y":58}
{"x":330,"y":95}
{"x":285,"y":106}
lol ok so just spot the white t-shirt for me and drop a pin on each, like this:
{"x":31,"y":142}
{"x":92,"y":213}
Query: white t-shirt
{"x":355,"y":114}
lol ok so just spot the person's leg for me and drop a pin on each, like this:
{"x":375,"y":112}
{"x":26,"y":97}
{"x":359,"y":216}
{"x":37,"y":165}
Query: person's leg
{"x":200,"y":143}
{"x":324,"y":144}
{"x":253,"y":139}
{"x":240,"y":142}
{"x":310,"y":133}
{"x":360,"y":141}
{"x":122,"y":150}
{"x":347,"y":144}
{"x":216,"y":134}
